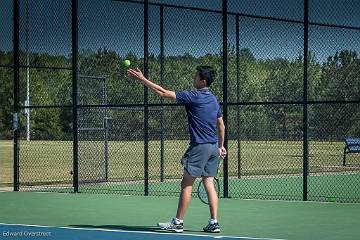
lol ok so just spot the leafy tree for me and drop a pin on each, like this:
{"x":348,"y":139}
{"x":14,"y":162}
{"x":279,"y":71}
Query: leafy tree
{"x":340,"y":80}
{"x":260,"y":80}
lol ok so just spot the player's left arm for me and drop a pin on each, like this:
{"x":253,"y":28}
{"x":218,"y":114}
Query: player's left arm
{"x":136,"y":73}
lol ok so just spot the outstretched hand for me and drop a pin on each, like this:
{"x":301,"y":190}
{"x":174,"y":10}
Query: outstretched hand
{"x":135,"y":73}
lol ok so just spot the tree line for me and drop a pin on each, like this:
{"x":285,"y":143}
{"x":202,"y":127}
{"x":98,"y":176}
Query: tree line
{"x":258,"y":80}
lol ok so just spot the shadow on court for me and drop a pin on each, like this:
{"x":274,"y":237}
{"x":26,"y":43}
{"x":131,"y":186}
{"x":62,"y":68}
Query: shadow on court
{"x":130,"y":228}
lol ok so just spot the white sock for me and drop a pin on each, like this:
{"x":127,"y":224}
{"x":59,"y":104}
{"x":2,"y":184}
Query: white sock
{"x":212,"y":221}
{"x":178,"y":221}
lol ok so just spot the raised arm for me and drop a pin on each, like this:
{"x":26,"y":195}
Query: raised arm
{"x":136,"y":73}
{"x":221,"y":135}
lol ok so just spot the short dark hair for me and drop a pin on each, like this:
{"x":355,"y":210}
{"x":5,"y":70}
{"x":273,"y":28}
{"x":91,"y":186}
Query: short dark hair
{"x":206,"y":73}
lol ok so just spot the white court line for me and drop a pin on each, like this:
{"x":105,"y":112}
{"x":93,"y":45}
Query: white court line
{"x":146,"y":232}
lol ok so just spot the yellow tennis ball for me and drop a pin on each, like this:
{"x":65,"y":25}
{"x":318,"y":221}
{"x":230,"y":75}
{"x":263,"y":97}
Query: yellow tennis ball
{"x":127,"y":63}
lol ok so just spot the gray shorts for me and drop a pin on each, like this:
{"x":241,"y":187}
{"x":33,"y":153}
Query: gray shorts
{"x":201,"y":159}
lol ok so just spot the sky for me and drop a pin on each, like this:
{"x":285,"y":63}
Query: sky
{"x":118,"y":26}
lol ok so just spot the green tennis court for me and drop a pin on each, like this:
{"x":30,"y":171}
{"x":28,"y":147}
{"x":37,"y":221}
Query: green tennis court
{"x":238,"y":218}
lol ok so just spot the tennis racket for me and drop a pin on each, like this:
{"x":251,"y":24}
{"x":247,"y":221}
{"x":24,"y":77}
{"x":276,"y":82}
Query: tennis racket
{"x":201,"y":192}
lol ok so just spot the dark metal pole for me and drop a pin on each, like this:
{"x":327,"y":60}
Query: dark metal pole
{"x":238,"y":94}
{"x":16,"y":24}
{"x":106,"y":133}
{"x":162,"y":100}
{"x":74,"y":24}
{"x":305,"y":103}
{"x":225,"y":95}
{"x":146,"y":98}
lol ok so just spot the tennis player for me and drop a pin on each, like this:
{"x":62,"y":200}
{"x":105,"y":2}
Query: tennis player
{"x":206,"y":127}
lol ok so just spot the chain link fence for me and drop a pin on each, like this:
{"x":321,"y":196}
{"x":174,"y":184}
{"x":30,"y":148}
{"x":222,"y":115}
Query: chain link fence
{"x":286,"y":123}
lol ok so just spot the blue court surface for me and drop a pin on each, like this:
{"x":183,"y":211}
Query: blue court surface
{"x":35,"y":232}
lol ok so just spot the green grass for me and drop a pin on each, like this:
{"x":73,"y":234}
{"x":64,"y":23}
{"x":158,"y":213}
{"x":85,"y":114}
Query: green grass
{"x":50,"y":162}
{"x":6,"y":162}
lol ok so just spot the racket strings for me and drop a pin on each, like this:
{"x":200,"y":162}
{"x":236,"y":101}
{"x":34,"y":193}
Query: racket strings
{"x":202,"y":192}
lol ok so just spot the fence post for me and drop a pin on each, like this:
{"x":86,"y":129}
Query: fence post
{"x":238,"y":95}
{"x":225,"y":95}
{"x":305,"y":103}
{"x":162,"y":99}
{"x":146,"y":98}
{"x":74,"y":28}
{"x":16,"y":23}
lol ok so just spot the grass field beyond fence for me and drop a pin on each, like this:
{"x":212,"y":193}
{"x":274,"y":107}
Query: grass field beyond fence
{"x":50,"y":162}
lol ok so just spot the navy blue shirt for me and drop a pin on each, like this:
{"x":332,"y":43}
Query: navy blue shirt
{"x":203,"y":110}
